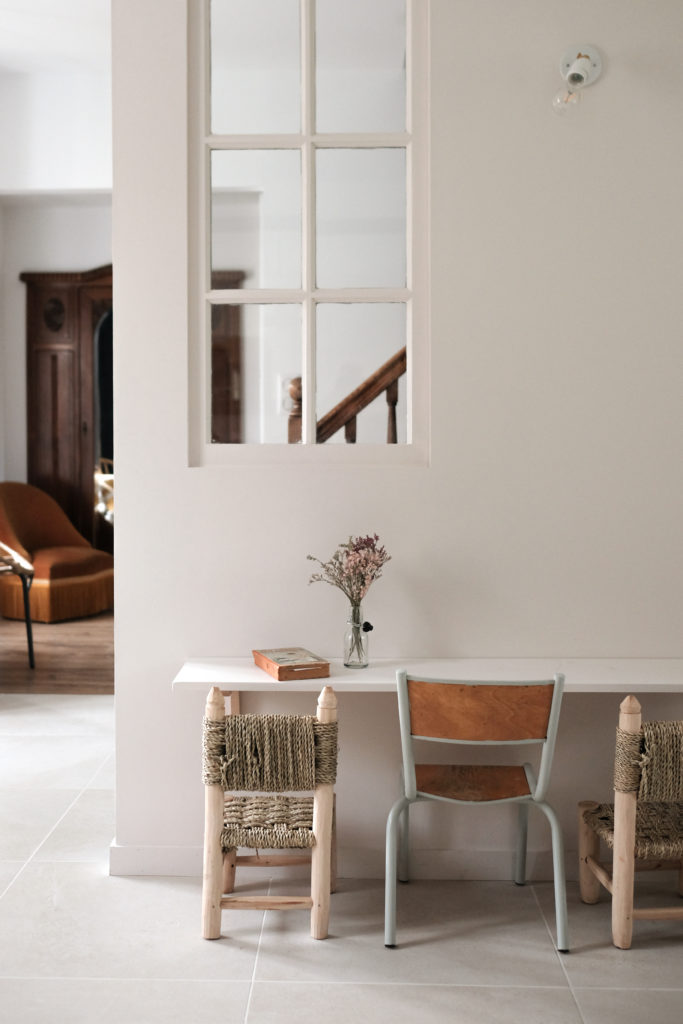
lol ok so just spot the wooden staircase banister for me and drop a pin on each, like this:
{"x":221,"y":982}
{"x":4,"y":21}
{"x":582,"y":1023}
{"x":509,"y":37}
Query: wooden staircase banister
{"x":345,"y":412}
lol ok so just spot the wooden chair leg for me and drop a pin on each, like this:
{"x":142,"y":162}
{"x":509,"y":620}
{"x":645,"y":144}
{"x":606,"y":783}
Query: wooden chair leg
{"x":213,"y":826}
{"x":623,"y":869}
{"x":333,"y":851}
{"x":321,"y":864}
{"x":229,"y":868}
{"x":623,"y":865}
{"x":589,"y":846}
{"x":213,"y":863}
{"x":323,"y":814}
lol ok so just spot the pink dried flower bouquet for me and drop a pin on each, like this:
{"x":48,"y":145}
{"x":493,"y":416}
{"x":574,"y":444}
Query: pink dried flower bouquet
{"x":353,"y":567}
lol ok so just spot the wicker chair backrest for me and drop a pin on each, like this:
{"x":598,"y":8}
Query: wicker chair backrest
{"x":269,"y":753}
{"x":650,"y":762}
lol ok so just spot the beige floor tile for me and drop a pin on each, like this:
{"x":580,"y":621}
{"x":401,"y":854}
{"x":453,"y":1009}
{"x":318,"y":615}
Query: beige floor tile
{"x":468,"y":933}
{"x":65,"y":920}
{"x":26,"y":817}
{"x":282,"y":1003}
{"x":123,"y":1002}
{"x":51,"y":762}
{"x":655,"y":959}
{"x":86,"y":830}
{"x":54,"y":714}
{"x":105,"y":776}
{"x":607,"y":1006}
{"x":9,"y":869}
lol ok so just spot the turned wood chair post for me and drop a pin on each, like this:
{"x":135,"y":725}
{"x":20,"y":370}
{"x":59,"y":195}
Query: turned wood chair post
{"x":213,"y":825}
{"x":229,"y":870}
{"x":624,"y":841}
{"x":589,"y":852}
{"x":321,"y":854}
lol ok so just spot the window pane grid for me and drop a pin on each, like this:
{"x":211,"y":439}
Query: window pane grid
{"x":309,"y":142}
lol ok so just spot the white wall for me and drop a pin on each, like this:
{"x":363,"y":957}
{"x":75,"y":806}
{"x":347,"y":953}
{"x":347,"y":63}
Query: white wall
{"x":39,"y":233}
{"x":548,"y":521}
{"x":56,"y":130}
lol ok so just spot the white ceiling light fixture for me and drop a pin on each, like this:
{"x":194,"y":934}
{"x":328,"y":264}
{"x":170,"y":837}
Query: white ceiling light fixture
{"x":580,"y":66}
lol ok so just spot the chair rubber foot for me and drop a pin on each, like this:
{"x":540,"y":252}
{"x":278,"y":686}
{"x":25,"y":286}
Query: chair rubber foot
{"x":563,"y":951}
{"x":520,"y":884}
{"x":404,"y":881}
{"x":390,"y":945}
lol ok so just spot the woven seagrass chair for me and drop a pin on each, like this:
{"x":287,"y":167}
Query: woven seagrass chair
{"x":644,"y":825}
{"x":473,"y":713}
{"x":249,"y":763}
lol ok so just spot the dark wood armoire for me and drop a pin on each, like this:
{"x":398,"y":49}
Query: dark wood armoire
{"x":226,"y":363}
{"x":69,"y":404}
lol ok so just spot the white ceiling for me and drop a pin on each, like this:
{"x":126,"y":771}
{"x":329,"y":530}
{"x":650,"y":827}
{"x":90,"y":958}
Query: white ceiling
{"x":54,"y":35}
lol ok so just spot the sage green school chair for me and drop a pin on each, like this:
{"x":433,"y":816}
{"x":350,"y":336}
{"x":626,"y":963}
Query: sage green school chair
{"x":476,"y":714}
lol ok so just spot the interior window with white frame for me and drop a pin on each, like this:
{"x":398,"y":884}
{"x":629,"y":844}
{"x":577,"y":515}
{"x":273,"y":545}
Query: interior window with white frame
{"x":306,"y":275}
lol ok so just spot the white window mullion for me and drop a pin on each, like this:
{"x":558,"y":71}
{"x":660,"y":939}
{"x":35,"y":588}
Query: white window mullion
{"x":308,"y":231}
{"x":203,"y":226}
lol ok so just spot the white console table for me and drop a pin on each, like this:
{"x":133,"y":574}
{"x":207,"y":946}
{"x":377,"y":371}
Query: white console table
{"x":582,"y":675}
{"x":371,"y":745}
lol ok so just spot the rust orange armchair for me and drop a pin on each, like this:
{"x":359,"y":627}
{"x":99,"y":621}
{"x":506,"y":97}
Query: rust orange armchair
{"x":71,"y":578}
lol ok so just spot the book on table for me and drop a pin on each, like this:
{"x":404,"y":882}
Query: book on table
{"x":291,"y":663}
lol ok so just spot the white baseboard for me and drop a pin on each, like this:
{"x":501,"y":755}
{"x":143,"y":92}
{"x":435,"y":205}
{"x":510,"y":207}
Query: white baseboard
{"x":352,"y":863}
{"x":155,"y":860}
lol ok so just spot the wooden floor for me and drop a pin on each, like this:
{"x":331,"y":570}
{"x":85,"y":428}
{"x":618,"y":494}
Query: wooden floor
{"x":71,"y":657}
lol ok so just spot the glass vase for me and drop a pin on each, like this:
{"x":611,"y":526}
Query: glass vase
{"x":355,"y":639}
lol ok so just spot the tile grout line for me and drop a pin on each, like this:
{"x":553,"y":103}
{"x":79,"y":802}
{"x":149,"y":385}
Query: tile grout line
{"x":560,"y":956}
{"x":55,"y":826}
{"x":258,"y":950}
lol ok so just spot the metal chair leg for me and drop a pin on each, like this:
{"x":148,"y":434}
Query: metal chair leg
{"x":391,"y":871}
{"x":404,"y":845}
{"x":26,"y":586}
{"x":559,"y":877}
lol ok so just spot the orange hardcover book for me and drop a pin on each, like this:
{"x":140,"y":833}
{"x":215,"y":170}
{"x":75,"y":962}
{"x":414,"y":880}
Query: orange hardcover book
{"x":291,"y":663}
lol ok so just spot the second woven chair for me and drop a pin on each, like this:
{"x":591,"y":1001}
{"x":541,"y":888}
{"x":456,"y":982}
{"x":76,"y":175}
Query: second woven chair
{"x":644,"y":825}
{"x":250,"y":762}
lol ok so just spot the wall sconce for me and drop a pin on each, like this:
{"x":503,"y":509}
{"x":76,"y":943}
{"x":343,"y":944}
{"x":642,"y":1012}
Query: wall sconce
{"x":580,"y":66}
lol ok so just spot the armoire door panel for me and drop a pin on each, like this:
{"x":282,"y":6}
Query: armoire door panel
{"x":62,"y":312}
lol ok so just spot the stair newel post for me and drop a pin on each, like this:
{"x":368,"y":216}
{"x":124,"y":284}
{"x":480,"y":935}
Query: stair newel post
{"x":392,"y":402}
{"x":294,"y":420}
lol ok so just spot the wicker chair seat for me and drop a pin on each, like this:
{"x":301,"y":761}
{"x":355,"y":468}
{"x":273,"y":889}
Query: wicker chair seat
{"x":659,"y":828}
{"x":268,"y":823}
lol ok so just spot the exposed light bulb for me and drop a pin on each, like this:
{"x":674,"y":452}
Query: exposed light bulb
{"x":565,"y":102}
